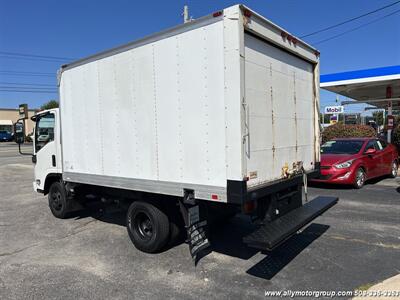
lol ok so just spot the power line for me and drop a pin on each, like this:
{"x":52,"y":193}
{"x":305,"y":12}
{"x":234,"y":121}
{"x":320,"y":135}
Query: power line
{"x":27,"y":88}
{"x":28,"y":91}
{"x":28,"y":74}
{"x":30,"y":59}
{"x":356,"y":28}
{"x":34,"y":75}
{"x":350,"y":20}
{"x":23,"y":83}
{"x":37,"y":56}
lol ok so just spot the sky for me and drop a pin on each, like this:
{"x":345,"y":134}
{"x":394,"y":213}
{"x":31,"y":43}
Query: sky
{"x":75,"y":28}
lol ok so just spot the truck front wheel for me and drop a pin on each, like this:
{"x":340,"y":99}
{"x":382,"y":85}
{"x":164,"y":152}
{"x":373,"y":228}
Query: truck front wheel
{"x":58,"y":203}
{"x":148,"y":227}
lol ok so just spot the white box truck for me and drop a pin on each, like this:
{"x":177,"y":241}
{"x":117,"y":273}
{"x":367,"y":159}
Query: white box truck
{"x":215,"y":115}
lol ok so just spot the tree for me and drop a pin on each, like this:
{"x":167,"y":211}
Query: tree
{"x":326,"y":118}
{"x":378,"y":116}
{"x":50,"y":104}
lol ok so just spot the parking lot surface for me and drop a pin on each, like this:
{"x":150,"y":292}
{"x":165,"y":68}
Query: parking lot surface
{"x":90,"y":256}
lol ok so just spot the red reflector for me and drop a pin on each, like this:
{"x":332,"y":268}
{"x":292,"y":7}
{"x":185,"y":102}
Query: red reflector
{"x":217,"y":14}
{"x":247,"y":13}
{"x":248,"y":207}
{"x":214,"y":197}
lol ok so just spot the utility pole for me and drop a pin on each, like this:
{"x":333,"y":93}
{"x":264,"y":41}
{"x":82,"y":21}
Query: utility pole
{"x":186,"y":17}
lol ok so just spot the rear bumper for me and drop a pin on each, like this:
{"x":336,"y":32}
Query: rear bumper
{"x":279,"y":207}
{"x":238,"y":193}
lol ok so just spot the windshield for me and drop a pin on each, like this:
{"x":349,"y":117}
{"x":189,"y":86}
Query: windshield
{"x":341,"y":147}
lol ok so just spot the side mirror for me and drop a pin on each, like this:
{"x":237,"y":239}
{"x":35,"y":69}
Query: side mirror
{"x":370,"y":151}
{"x":19,"y":130}
{"x":19,"y":135}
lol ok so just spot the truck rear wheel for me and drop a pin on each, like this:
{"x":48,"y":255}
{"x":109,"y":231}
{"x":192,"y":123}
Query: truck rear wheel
{"x":58,"y":203}
{"x":148,"y":227}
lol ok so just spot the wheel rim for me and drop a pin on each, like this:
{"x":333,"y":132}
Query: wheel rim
{"x":394,"y":169}
{"x":143,"y":225}
{"x":56,"y":202}
{"x":360,"y":178}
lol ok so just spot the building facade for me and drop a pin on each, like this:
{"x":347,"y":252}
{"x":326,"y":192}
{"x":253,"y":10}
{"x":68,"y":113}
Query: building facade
{"x":8,"y":116}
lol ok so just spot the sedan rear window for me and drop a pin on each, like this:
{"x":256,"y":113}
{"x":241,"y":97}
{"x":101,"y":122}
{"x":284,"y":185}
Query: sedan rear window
{"x":341,"y":147}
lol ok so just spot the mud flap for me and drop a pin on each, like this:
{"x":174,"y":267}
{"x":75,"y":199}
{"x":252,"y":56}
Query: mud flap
{"x":195,"y":217}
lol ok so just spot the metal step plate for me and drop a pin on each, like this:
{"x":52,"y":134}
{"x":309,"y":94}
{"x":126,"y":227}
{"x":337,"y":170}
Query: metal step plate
{"x":272,"y":234}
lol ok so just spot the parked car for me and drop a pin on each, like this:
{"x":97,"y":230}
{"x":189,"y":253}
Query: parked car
{"x":30,"y":137}
{"x":354,"y":160}
{"x":6,"y":136}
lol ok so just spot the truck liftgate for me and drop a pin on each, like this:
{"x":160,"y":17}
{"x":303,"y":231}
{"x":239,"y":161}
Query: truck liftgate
{"x":271,"y":234}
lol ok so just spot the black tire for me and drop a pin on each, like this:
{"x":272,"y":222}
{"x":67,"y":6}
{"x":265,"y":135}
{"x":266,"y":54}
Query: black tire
{"x":176,"y":235}
{"x":58,"y":202}
{"x":176,"y":227}
{"x":360,"y":178}
{"x":394,"y":170}
{"x":148,"y":227}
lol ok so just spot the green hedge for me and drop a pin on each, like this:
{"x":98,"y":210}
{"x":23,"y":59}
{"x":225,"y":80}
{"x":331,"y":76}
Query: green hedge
{"x":347,"y":131}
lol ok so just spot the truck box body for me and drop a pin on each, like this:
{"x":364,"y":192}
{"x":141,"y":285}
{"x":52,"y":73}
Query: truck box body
{"x":229,"y":97}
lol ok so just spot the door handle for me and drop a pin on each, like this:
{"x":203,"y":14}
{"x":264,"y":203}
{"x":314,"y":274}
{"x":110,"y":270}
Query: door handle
{"x":53,"y":160}
{"x":246,"y":136}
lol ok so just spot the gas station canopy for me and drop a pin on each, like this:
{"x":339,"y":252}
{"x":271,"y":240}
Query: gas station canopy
{"x":379,"y":87}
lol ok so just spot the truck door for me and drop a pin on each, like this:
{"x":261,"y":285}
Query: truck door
{"x":45,"y":148}
{"x":374,"y":161}
{"x":279,"y":94}
{"x":386,"y":163}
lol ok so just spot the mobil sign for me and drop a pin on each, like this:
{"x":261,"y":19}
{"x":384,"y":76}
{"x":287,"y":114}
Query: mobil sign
{"x":334,"y":109}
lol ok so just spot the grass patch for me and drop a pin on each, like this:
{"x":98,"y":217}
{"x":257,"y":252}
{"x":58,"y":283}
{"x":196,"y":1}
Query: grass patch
{"x":365,"y":287}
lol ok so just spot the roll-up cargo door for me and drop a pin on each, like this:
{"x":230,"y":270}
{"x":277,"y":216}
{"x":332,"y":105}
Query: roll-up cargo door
{"x":280,"y":101}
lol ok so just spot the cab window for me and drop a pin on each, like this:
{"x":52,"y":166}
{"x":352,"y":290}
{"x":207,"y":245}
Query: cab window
{"x":44,"y":132}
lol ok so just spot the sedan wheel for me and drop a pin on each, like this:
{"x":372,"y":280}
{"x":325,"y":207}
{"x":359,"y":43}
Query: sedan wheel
{"x":394,"y":171}
{"x":360,"y":179}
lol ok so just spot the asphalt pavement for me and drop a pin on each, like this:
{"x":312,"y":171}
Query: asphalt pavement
{"x":354,"y":244}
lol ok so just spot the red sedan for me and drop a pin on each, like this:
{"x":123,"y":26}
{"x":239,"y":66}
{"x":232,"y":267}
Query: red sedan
{"x":353,"y":161}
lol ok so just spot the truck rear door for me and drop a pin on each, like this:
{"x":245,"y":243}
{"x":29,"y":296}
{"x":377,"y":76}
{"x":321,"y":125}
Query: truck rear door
{"x":280,"y":102}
